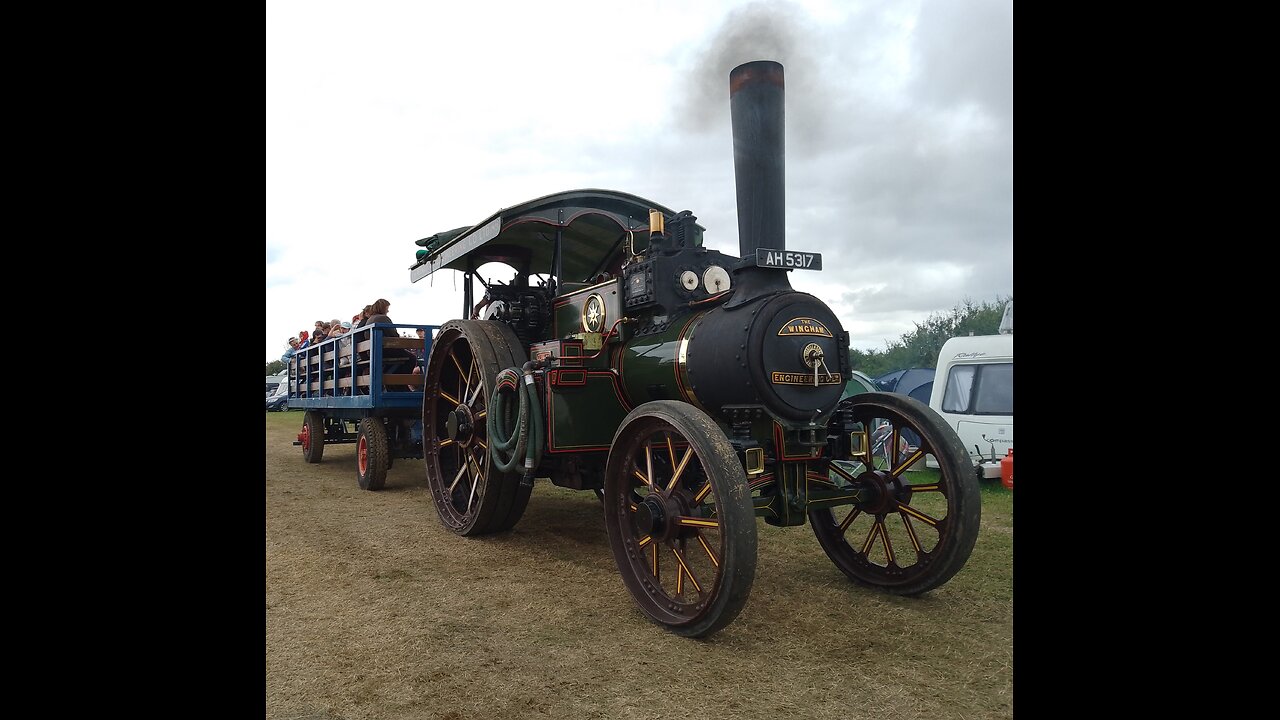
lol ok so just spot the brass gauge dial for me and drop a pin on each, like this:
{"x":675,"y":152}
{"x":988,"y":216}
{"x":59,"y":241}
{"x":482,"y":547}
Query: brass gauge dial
{"x":715,"y":279}
{"x":689,"y":279}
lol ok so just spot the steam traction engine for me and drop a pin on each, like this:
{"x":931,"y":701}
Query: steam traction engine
{"x":692,"y":390}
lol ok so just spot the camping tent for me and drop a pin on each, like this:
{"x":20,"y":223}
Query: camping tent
{"x":915,"y":382}
{"x":858,"y":384}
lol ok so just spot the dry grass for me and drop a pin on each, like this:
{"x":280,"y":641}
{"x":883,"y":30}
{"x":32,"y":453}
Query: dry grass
{"x":375,"y":610}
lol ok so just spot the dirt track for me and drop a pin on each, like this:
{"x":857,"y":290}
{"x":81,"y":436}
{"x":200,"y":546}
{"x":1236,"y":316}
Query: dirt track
{"x":375,"y":610}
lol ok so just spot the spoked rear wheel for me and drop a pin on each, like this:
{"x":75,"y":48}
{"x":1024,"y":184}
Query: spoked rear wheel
{"x":471,"y":496}
{"x":679,"y":518}
{"x":915,"y":529}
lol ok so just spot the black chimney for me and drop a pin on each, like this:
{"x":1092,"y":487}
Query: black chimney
{"x":755,"y":104}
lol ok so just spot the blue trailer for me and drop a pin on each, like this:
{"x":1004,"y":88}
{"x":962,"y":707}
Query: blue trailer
{"x":349,"y":396}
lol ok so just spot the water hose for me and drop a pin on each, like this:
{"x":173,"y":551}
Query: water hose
{"x":507,"y":443}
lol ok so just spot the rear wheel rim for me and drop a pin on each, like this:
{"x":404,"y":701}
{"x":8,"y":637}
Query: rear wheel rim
{"x":455,"y":411}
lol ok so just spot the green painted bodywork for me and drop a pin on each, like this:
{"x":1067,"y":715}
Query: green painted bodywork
{"x":584,"y":417}
{"x":567,"y":318}
{"x":650,"y":364}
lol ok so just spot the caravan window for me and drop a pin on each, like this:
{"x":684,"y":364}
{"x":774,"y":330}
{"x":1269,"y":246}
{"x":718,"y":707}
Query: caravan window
{"x":979,"y":390}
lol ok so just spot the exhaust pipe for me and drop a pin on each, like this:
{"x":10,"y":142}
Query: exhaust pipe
{"x":756,"y":108}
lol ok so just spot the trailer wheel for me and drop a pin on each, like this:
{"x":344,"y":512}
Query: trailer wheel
{"x":471,"y":496}
{"x":913,"y":530}
{"x":679,"y":518}
{"x":371,"y":454}
{"x":312,"y":436}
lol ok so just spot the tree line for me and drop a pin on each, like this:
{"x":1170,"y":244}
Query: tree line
{"x":918,"y":348}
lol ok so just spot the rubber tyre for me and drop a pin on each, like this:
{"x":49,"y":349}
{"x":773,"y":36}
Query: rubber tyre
{"x":313,"y":446}
{"x":510,"y":353}
{"x":735,"y":535}
{"x":956,"y":532}
{"x":371,"y":454}
{"x":477,"y":499}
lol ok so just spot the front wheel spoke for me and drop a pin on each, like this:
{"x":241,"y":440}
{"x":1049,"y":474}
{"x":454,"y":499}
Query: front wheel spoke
{"x":702,"y":493}
{"x":655,"y":564}
{"x":675,"y":476}
{"x":888,"y":546}
{"x":853,"y":514}
{"x":911,"y":531}
{"x":934,"y":487}
{"x":917,"y":514}
{"x":644,"y":541}
{"x":684,"y":569}
{"x":450,"y":398}
{"x":871,"y":537}
{"x":639,"y":475}
{"x":710,"y":553}
{"x":902,"y":467}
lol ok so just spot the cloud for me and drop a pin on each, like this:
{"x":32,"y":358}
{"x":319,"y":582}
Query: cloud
{"x":392,"y":121}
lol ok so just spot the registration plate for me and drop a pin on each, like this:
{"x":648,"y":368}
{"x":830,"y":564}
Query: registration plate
{"x":790,"y":259}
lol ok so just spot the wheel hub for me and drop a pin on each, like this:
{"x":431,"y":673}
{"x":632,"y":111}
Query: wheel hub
{"x":460,"y":425}
{"x":651,"y":516}
{"x":888,"y":491}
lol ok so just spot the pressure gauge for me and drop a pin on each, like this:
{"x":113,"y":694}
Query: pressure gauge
{"x":715,"y":279}
{"x":689,"y":279}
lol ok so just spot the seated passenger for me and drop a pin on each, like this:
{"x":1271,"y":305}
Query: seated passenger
{"x":398,"y":360}
{"x":419,"y":353}
{"x":288,"y":353}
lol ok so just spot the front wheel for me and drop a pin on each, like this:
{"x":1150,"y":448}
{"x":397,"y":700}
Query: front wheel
{"x":913,"y":529}
{"x":679,"y":518}
{"x":371,"y":454}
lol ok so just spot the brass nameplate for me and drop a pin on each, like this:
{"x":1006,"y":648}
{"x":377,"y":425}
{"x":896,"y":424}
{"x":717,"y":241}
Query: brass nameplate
{"x":786,"y":378}
{"x":804,"y":326}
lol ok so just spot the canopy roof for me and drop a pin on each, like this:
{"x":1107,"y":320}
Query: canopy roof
{"x":594,"y":223}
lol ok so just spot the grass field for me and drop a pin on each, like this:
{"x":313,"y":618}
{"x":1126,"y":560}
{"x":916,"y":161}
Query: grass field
{"x":375,"y":610}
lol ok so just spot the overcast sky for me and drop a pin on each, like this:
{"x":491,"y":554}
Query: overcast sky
{"x":389,"y":121}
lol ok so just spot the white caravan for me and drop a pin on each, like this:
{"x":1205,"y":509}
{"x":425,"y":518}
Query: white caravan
{"x":973,"y":392}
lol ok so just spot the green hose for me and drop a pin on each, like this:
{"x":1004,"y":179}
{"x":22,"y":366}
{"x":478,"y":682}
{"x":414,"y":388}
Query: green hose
{"x":508,"y":443}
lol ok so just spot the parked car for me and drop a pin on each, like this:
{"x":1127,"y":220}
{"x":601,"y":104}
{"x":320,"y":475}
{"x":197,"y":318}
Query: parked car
{"x":278,"y":401}
{"x":274,"y":381}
